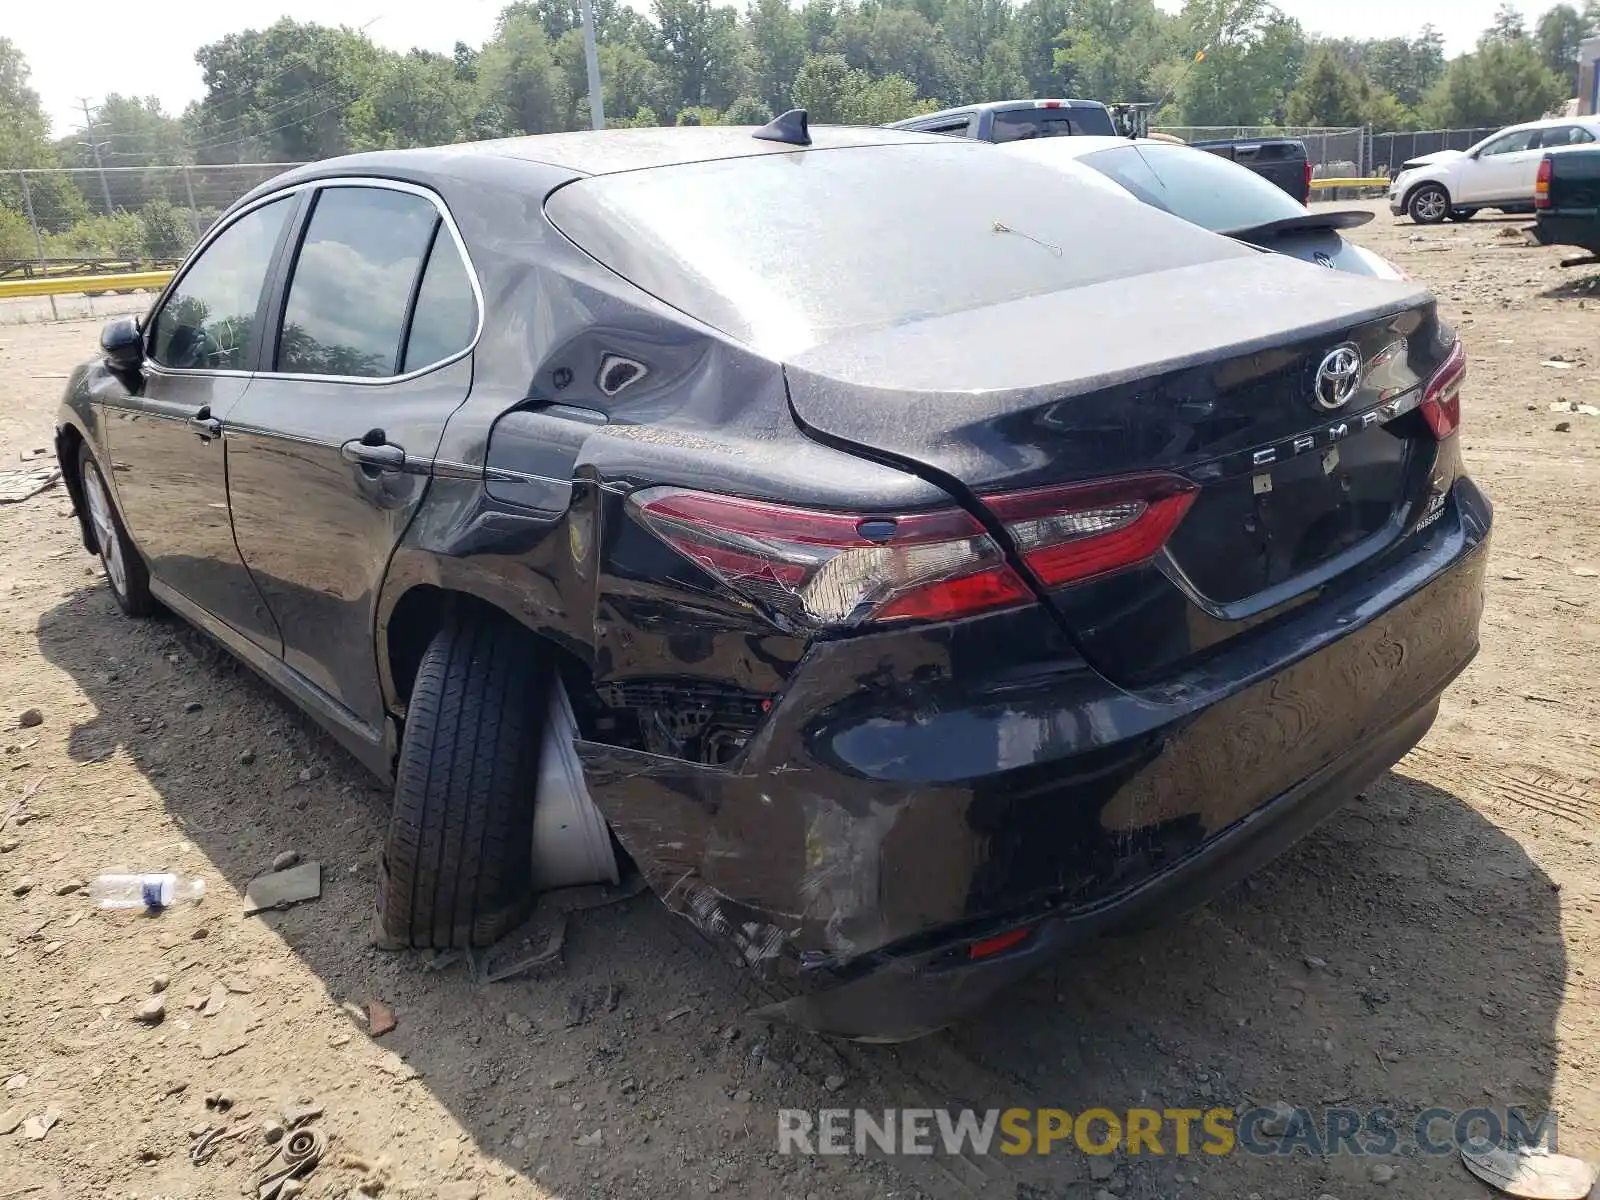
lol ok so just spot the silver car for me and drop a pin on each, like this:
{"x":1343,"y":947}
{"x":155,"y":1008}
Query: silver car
{"x":1214,"y":193}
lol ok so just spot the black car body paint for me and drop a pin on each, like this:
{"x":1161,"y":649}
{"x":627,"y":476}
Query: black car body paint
{"x":844,"y":809}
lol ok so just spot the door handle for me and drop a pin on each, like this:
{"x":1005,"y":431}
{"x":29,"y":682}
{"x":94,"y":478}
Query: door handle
{"x":204,"y":425}
{"x":385,"y":456}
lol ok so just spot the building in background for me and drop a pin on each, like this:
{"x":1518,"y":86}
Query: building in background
{"x":1589,"y":77}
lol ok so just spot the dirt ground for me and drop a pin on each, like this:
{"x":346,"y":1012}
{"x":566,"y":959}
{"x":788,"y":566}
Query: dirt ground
{"x":1437,"y":943}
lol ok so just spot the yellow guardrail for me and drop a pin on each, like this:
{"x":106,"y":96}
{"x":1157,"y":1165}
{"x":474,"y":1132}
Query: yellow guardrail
{"x":1379,"y":181}
{"x":78,"y":285}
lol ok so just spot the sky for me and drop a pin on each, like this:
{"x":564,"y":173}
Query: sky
{"x":87,"y":48}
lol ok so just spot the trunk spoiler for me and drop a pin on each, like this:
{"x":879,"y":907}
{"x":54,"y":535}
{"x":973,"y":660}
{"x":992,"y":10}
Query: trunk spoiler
{"x":1349,"y":218}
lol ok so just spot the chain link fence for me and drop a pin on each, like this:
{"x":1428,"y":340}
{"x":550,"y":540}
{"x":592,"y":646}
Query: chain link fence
{"x":90,"y":220}
{"x":1334,"y":153}
{"x":1387,"y":151}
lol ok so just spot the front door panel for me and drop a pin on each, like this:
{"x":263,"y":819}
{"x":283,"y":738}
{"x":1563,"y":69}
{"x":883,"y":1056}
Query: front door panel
{"x":172,"y":486}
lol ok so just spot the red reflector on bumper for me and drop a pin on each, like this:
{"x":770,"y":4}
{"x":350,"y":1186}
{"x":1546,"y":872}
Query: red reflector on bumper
{"x":990,"y":946}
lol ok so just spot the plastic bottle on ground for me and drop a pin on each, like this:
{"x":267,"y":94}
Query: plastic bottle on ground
{"x":153,"y":891}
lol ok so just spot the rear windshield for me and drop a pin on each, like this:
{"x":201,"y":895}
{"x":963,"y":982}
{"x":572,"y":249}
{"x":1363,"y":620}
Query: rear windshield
{"x":1015,"y":124}
{"x":784,"y":251}
{"x":1210,"y":191}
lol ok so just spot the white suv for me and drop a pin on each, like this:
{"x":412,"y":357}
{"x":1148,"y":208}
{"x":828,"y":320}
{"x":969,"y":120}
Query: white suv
{"x":1498,"y":172}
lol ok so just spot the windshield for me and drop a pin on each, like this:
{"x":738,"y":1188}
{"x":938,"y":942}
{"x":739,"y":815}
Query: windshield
{"x":787,"y":250}
{"x":1199,"y":187}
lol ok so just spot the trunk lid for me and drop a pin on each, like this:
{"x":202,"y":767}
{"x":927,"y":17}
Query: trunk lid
{"x":1208,"y":372}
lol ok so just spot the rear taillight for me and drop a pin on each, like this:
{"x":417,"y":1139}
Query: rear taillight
{"x":1441,"y":398}
{"x":1070,"y":534}
{"x":1309,"y":172}
{"x":1541,"y":185}
{"x":814,"y":569}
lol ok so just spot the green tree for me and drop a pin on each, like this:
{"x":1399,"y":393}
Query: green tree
{"x":1559,"y":34}
{"x":747,"y":110}
{"x":1328,"y":92}
{"x":168,"y":232}
{"x":1037,"y":35}
{"x":971,"y":27}
{"x":818,"y":18}
{"x":777,"y":38}
{"x":519,"y":77}
{"x":419,"y":99}
{"x":1113,"y":47}
{"x":702,"y":53}
{"x":1245,"y":81}
{"x":901,"y":41}
{"x":281,"y":94}
{"x":57,"y":204}
{"x":822,"y":87}
{"x":880,"y":101}
{"x":1504,"y":81}
{"x":631,"y":81}
{"x":1508,"y":25}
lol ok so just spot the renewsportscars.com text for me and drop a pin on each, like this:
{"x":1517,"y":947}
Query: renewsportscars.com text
{"x":1150,"y":1131}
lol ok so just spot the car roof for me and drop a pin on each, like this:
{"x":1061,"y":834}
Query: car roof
{"x":1548,"y":122}
{"x":608,"y":151}
{"x":994,"y":106}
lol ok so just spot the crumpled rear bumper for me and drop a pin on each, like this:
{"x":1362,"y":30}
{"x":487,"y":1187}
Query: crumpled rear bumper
{"x":916,"y":792}
{"x":907,"y":997}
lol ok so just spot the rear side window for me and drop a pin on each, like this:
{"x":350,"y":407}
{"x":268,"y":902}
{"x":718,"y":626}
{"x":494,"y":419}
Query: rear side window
{"x":785,"y":251}
{"x":1566,"y":135}
{"x":1199,"y":187}
{"x":208,"y":318}
{"x":1015,"y":124}
{"x":446,"y":314}
{"x":351,"y":289}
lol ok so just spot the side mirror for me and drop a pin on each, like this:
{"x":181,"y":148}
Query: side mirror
{"x":122,"y":345}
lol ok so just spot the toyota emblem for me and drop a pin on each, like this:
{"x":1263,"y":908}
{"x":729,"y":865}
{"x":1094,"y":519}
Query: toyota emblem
{"x":1337,"y":376}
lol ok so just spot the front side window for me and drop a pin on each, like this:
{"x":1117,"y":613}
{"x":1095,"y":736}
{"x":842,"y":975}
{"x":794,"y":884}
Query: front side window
{"x":345,"y":313}
{"x":1511,"y":143}
{"x":206,"y":322}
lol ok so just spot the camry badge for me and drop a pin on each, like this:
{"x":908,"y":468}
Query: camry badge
{"x":1337,"y":376}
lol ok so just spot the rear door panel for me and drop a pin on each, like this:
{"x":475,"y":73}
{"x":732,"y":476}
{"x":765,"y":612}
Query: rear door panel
{"x":316,"y":523}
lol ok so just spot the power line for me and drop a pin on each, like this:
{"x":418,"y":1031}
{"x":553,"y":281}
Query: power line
{"x":94,"y":147}
{"x":274,"y":129}
{"x":233,"y":125}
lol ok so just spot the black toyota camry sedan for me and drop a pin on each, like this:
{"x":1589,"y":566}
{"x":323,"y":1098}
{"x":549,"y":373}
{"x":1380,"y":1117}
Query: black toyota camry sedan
{"x":906,"y":560}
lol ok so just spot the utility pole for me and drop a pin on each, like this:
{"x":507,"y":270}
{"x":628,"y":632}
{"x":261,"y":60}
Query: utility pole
{"x":94,"y":148}
{"x":597,"y":107}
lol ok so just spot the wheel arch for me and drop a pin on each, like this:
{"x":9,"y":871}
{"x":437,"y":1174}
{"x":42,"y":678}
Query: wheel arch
{"x":70,"y":441}
{"x":417,"y":609}
{"x":1405,"y":204}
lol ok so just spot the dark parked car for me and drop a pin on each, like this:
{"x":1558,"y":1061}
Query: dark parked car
{"x":1218,"y":195}
{"x":798,"y":512}
{"x":1566,"y":199}
{"x":1016,"y":120}
{"x":1280,"y":161}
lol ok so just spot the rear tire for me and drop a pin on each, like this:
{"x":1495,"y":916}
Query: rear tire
{"x":1429,"y":204}
{"x":455,"y":870}
{"x":1463,"y":214}
{"x":126,"y":573}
